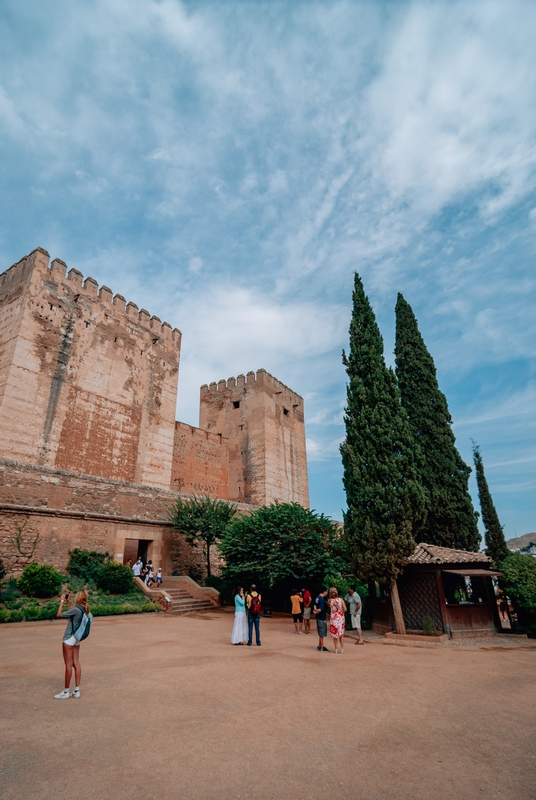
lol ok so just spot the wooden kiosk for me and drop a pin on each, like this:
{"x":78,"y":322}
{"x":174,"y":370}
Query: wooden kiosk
{"x":449,"y":590}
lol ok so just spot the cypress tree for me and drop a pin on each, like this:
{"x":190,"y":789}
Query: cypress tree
{"x":494,"y":534}
{"x":386,"y":503}
{"x":451,"y":520}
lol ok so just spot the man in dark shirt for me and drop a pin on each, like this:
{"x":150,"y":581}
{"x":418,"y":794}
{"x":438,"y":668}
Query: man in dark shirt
{"x":319,"y":611}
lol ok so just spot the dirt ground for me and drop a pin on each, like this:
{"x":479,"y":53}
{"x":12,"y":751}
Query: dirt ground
{"x":170,"y":709}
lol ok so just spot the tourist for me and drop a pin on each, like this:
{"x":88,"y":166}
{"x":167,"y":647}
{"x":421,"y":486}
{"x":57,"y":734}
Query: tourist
{"x":253,"y":601}
{"x":70,"y":645}
{"x":319,"y":611}
{"x":354,"y":606}
{"x":149,"y":580}
{"x":297,"y":617}
{"x":137,"y":568}
{"x":159,"y":578}
{"x":307,"y":602}
{"x":337,"y":608}
{"x":240,"y":627}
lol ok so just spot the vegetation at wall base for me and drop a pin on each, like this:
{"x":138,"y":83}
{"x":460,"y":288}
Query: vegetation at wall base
{"x":20,"y":608}
{"x":86,"y":564}
{"x":451,"y":520}
{"x":3,"y":570}
{"x":115,"y":578}
{"x":386,"y":503}
{"x":202,"y":520}
{"x":496,"y":546}
{"x":40,"y":580}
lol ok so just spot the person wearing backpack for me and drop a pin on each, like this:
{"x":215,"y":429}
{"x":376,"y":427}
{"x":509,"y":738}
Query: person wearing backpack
{"x":74,"y":633}
{"x":254,"y":615}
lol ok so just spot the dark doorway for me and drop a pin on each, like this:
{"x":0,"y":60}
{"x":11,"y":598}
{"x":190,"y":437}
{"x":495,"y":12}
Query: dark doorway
{"x":143,"y":549}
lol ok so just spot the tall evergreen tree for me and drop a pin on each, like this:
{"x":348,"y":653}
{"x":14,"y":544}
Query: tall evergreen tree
{"x":386,"y":503}
{"x":494,"y":534}
{"x":451,"y":520}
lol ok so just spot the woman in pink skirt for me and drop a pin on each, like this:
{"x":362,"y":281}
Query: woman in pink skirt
{"x":337,"y":607}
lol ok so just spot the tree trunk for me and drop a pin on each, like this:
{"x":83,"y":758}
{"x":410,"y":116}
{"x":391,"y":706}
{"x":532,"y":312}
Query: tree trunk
{"x":397,"y":609}
{"x":208,"y":561}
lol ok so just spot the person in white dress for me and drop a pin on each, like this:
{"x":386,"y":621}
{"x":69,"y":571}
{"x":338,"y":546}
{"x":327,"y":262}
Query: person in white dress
{"x":240,"y":627}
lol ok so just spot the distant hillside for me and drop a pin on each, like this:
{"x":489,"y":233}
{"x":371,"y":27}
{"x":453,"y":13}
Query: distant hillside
{"x":521,"y":541}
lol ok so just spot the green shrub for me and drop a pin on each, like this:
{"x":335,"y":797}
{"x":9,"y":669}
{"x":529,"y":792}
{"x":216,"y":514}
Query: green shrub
{"x":2,"y":570}
{"x":10,"y":616}
{"x":86,"y":564}
{"x":40,"y":580}
{"x":9,"y":591}
{"x":428,"y":626}
{"x":115,"y":578}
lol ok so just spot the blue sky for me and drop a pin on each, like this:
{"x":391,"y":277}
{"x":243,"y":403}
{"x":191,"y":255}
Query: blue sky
{"x":229,"y":165}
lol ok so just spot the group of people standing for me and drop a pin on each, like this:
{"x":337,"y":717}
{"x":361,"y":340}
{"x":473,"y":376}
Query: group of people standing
{"x":248,"y":613}
{"x":147,"y":573}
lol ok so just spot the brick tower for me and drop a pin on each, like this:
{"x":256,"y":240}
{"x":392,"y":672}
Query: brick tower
{"x":88,"y":383}
{"x":264,"y":424}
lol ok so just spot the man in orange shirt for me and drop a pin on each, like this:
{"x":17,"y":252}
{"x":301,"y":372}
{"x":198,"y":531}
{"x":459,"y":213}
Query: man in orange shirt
{"x":296,"y":600}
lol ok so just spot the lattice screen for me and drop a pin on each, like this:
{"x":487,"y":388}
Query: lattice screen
{"x":420,"y":598}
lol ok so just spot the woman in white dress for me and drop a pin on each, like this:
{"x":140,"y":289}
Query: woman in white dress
{"x":240,"y":627}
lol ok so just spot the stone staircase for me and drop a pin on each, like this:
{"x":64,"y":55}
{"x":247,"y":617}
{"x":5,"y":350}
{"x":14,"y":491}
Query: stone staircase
{"x":184,"y":603}
{"x":181,"y":595}
{"x":188,"y":597}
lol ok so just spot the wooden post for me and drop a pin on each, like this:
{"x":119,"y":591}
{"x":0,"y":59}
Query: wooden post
{"x":397,"y":609}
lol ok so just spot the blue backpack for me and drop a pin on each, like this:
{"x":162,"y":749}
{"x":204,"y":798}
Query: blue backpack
{"x":82,"y":632}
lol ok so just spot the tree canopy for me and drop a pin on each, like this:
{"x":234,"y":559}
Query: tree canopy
{"x":386,"y":503}
{"x":451,"y":519}
{"x":494,"y":534}
{"x":279,"y":542}
{"x":202,"y":520}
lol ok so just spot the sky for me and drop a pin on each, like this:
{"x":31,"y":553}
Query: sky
{"x":230,"y":165}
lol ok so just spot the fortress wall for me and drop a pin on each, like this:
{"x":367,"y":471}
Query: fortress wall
{"x":200,"y":462}
{"x":92,"y":381}
{"x":264,"y":422}
{"x":70,"y":510}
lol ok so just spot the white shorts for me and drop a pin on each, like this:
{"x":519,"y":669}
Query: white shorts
{"x":356,"y":620}
{"x":72,"y":642}
{"x":307,"y":613}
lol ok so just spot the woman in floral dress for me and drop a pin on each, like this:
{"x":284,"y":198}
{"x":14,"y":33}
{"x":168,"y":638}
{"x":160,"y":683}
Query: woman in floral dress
{"x":337,"y":607}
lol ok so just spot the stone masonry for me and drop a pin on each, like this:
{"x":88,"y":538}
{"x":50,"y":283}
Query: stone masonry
{"x":90,"y":452}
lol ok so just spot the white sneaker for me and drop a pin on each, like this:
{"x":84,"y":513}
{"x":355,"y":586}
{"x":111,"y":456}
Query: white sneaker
{"x":76,"y":693}
{"x":64,"y":695}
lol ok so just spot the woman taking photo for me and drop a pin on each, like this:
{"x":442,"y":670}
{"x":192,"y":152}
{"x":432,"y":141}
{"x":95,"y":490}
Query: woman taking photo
{"x":240,"y":627}
{"x":70,"y":645}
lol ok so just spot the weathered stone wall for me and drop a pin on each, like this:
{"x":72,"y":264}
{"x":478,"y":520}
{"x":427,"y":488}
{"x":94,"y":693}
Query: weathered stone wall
{"x":63,"y":510}
{"x":263,"y":421}
{"x":87,"y":382}
{"x":200,"y":462}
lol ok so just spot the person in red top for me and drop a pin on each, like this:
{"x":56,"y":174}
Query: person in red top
{"x":307,"y":602}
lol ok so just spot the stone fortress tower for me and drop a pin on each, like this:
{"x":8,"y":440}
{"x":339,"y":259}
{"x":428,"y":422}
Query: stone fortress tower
{"x":262,"y":419}
{"x":90,"y":452}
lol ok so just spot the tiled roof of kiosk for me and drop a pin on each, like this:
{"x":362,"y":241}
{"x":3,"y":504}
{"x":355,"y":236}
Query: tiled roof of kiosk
{"x":432,"y":554}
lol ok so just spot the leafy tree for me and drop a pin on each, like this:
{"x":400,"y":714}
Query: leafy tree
{"x":40,"y":580}
{"x":494,"y":534}
{"x":280,"y":545}
{"x":202,"y":520}
{"x":451,"y":520}
{"x":386,"y":503}
{"x":519,"y":583}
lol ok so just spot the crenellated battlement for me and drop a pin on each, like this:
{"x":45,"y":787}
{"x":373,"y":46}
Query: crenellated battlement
{"x":88,"y":288}
{"x":251,"y":379}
